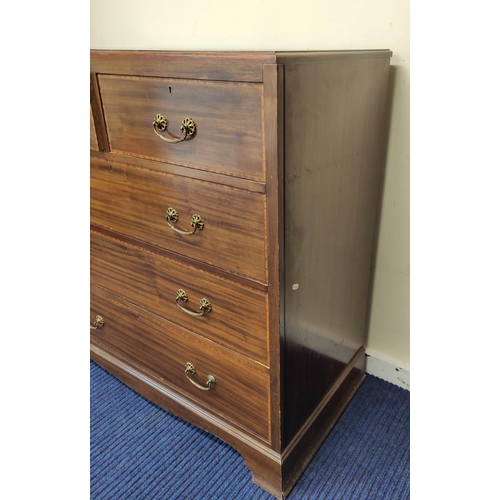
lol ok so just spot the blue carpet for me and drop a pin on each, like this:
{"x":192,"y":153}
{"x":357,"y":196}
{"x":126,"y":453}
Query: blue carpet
{"x":141,"y":452}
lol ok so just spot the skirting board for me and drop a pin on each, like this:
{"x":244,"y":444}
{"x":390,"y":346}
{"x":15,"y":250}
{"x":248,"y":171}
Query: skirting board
{"x":387,"y":369}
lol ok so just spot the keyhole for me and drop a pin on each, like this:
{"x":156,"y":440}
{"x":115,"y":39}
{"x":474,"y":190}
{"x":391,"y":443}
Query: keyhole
{"x":169,"y":89}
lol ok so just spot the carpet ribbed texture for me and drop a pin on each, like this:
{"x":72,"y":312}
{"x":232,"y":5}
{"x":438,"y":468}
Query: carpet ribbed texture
{"x":139,"y":451}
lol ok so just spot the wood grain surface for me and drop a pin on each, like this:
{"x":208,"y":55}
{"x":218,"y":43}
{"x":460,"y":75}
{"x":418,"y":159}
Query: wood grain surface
{"x":134,"y":201}
{"x":105,"y":158}
{"x":97,"y":114}
{"x":94,"y":145}
{"x":241,"y":393}
{"x":228,"y":118}
{"x":226,"y":66}
{"x":309,"y":56}
{"x":273,"y":139}
{"x":331,"y":184}
{"x":285,"y":171}
{"x":238,"y":319}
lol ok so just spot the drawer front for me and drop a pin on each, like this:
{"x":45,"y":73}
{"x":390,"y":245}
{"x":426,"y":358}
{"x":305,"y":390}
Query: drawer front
{"x":227,"y":117}
{"x":238,"y":315}
{"x":241,"y":393}
{"x":94,"y":145}
{"x":134,"y":201}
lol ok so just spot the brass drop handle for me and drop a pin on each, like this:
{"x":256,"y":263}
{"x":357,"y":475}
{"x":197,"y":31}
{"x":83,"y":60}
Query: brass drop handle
{"x":160,"y":124}
{"x":98,"y":323}
{"x":172,"y":216}
{"x":190,"y":371}
{"x":205,"y":306}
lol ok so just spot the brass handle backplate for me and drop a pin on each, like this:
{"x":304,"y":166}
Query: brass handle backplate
{"x":160,"y":124}
{"x":205,"y":306}
{"x":98,"y":323}
{"x":172,"y":216}
{"x":190,"y":371}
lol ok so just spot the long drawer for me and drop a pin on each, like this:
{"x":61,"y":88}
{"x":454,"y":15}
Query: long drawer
{"x":180,"y":359}
{"x":229,"y":233}
{"x":237,"y":317}
{"x":227,"y":119}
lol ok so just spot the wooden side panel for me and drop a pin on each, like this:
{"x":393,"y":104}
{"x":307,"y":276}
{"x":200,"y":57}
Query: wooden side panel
{"x":133,"y":201}
{"x":162,"y":349}
{"x":238,"y":318}
{"x":228,"y":118}
{"x":334,"y":131}
{"x":225,"y":66}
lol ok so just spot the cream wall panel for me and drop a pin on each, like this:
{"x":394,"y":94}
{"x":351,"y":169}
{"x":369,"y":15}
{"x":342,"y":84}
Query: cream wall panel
{"x":390,"y":315}
{"x":294,"y":25}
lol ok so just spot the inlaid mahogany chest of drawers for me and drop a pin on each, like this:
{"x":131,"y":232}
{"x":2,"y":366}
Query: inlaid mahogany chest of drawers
{"x":233,"y":211}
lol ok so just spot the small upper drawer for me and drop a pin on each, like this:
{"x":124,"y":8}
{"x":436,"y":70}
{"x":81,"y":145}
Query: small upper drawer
{"x":208,"y":222}
{"x":227,"y":119}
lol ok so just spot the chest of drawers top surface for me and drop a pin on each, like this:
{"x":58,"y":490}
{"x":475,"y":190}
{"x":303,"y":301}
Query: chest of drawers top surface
{"x":233,"y":202}
{"x":239,"y":66}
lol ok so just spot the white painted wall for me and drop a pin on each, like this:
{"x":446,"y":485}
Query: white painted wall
{"x":298,"y":25}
